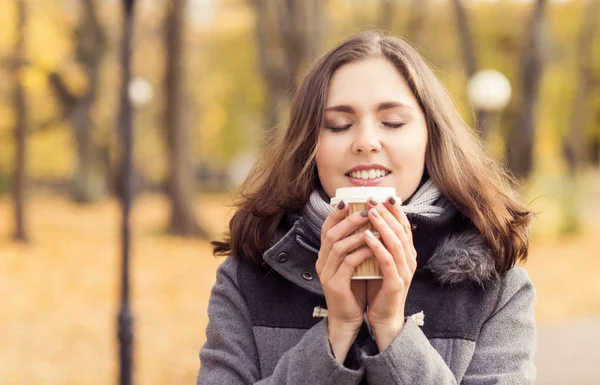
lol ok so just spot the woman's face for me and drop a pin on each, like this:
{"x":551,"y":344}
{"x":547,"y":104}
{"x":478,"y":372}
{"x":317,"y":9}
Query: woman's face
{"x":374,"y":131}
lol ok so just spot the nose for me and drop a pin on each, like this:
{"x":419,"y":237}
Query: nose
{"x":366,"y":141}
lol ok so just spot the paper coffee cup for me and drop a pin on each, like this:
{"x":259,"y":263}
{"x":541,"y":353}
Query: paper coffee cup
{"x":356,"y":199}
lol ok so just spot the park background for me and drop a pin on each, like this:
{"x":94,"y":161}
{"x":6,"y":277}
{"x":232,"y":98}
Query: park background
{"x":212,"y":81}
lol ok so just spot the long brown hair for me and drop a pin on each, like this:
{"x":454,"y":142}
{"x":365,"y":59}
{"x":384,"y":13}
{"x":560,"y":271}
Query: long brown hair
{"x":283,"y":179}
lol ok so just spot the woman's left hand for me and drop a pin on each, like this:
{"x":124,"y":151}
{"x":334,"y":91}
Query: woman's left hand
{"x":397,"y":259}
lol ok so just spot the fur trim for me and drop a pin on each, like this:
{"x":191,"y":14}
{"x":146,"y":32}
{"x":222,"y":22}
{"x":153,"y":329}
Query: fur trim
{"x":463,"y":257}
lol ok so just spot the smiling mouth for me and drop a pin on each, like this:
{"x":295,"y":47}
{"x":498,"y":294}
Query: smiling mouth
{"x":368,"y":174}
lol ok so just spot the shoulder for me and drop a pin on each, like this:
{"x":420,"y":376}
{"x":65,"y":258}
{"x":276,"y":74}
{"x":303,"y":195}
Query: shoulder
{"x":515,"y":287}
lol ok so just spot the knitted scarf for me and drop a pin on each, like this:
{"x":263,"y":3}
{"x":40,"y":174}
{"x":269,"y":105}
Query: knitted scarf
{"x":427,"y":201}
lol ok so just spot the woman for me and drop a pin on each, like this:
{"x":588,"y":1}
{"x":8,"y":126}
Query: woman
{"x":371,"y":112}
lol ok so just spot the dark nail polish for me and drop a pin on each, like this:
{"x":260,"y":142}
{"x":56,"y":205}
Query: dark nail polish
{"x":364,"y":213}
{"x":341,"y":205}
{"x":392,"y":201}
{"x":371,"y":201}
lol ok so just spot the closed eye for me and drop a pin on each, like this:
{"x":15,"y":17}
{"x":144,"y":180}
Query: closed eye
{"x":338,"y":128}
{"x":393,"y":125}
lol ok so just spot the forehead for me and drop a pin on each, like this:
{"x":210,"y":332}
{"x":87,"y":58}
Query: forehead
{"x":367,"y":83}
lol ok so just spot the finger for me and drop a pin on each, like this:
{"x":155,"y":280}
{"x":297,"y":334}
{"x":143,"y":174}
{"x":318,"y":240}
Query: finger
{"x":404,"y":235}
{"x":339,"y":251}
{"x":393,"y":204}
{"x":392,"y":241}
{"x":337,"y":215}
{"x":384,"y":258}
{"x":349,"y":264}
{"x":400,"y":225}
{"x":343,"y":228}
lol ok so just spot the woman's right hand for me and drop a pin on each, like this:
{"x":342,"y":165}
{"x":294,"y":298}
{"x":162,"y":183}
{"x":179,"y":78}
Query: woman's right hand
{"x":339,"y":256}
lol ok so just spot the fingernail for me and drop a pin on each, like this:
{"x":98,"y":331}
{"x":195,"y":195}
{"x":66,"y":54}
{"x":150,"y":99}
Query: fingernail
{"x":341,"y":205}
{"x":364,"y":213}
{"x":371,"y":201}
{"x":375,"y":213}
{"x":369,"y":234}
{"x":392,"y":201}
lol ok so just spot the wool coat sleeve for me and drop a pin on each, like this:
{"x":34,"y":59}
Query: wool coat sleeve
{"x":503,"y":351}
{"x":230,"y":356}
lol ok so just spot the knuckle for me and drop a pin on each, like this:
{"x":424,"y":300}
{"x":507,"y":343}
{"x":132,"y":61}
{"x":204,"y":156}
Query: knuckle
{"x":329,"y":237}
{"x":319,"y":267}
{"x":396,"y":246}
{"x":337,"y":248}
{"x":386,"y":260}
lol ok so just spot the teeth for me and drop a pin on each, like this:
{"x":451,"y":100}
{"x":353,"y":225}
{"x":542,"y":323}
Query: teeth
{"x":368,"y":174}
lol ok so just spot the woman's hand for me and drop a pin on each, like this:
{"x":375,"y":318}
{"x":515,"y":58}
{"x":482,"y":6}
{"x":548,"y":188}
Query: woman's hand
{"x":339,"y":256}
{"x":397,"y":259}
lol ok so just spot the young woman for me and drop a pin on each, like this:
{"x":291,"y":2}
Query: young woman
{"x":370,"y":112}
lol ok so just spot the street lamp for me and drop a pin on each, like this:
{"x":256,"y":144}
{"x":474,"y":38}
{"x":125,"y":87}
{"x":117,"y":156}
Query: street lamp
{"x":125,"y":317}
{"x":140,"y":91}
{"x":489,"y":91}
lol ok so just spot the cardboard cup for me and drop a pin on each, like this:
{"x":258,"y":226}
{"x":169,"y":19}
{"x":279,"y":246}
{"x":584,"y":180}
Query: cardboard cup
{"x":356,"y":199}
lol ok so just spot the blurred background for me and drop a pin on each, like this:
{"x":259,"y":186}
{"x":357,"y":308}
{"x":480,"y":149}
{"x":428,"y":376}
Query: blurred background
{"x":211,"y":82}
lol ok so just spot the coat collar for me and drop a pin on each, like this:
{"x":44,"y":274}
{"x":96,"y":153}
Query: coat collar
{"x":449,"y":249}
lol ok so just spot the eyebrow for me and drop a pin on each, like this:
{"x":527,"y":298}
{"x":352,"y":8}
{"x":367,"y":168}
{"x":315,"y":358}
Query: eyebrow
{"x":380,"y":107}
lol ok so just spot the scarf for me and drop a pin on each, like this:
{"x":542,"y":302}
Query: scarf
{"x":427,"y":201}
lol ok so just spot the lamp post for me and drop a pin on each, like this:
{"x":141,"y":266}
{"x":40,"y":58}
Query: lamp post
{"x":489,"y":91}
{"x":125,"y":317}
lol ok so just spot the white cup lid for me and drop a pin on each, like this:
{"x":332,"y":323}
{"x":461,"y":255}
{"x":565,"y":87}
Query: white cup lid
{"x":361,"y":194}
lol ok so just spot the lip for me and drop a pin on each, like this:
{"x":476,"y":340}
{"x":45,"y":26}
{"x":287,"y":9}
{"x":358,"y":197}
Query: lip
{"x":366,"y":182}
{"x":367,"y":167}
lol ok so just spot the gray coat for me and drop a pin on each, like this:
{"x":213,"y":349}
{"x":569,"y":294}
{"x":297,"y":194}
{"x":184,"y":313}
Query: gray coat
{"x":478,"y":328}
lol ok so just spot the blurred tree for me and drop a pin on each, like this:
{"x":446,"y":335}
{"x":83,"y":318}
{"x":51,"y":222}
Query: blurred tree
{"x":89,"y":181}
{"x":470,"y":61}
{"x":415,"y":26}
{"x":20,"y":108}
{"x":386,"y":15}
{"x":521,"y":138}
{"x":180,"y":183}
{"x":415,"y":29}
{"x":574,"y":149}
{"x":299,"y":25}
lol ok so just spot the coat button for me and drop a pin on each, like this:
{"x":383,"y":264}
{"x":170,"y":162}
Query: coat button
{"x":282,"y":257}
{"x":307,"y":275}
{"x":413,"y":227}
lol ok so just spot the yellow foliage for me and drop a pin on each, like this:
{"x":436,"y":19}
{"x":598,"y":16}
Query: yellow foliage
{"x":8,"y":21}
{"x":48,"y":36}
{"x":34,"y":79}
{"x":51,"y":153}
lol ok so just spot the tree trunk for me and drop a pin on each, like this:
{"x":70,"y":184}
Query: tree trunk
{"x":416,"y":23}
{"x":386,"y":15}
{"x":573,"y":142}
{"x":594,"y":149}
{"x":20,"y":107}
{"x":470,"y":62}
{"x":88,"y":183}
{"x":300,"y":27}
{"x":521,"y":139}
{"x":181,"y":180}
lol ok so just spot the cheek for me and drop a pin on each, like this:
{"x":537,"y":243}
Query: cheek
{"x":324,"y":158}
